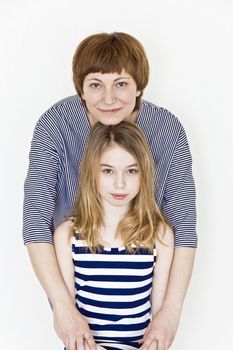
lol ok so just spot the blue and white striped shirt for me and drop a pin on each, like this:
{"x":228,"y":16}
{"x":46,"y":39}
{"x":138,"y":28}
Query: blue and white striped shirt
{"x":56,"y":150}
{"x":113,"y":292}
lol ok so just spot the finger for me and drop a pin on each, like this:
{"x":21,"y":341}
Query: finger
{"x":167,"y":344}
{"x":66,"y":344}
{"x":161,"y":344}
{"x":71,"y":344}
{"x":90,"y":341}
{"x":153,"y":345}
{"x":145,"y":334}
{"x":80,"y":344}
{"x":142,"y":339}
{"x":86,"y":346}
{"x":147,"y":343}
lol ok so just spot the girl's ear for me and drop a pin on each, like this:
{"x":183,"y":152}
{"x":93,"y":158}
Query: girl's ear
{"x":138,"y":93}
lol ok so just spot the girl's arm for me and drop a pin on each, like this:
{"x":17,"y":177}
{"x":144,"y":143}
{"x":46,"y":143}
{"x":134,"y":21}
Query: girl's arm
{"x":62,"y":244}
{"x":163,"y":263}
{"x":63,"y":250}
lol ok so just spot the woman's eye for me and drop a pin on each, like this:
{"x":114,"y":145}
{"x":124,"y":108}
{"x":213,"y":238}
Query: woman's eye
{"x":95,"y":85}
{"x":121,"y":84}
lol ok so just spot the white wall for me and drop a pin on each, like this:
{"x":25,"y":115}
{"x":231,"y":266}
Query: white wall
{"x":190,"y":48}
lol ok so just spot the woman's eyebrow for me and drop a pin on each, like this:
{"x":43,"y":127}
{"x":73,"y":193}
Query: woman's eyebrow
{"x":94,"y":79}
{"x":122,"y":78}
{"x":128,"y":78}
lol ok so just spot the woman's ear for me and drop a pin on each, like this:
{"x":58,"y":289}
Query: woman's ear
{"x":138,"y":93}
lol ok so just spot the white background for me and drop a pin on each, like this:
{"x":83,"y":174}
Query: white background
{"x":190,"y":48}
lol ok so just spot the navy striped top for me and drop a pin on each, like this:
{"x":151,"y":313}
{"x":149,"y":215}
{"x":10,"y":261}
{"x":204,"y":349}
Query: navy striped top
{"x":56,"y":150}
{"x":113,"y":292}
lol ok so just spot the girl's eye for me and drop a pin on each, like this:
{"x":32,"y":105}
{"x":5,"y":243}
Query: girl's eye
{"x":107,"y":171}
{"x":121,"y":84}
{"x":95,"y":85}
{"x":132,"y":171}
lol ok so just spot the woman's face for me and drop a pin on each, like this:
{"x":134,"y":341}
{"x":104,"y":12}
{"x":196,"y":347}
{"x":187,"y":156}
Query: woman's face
{"x":110,"y":98}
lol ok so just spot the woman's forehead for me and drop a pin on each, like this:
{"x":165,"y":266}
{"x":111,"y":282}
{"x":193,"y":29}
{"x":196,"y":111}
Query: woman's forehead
{"x":108,"y":76}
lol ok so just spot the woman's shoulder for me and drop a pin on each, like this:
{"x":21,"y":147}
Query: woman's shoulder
{"x":73,"y":100}
{"x":153,"y":111}
{"x":62,"y":110}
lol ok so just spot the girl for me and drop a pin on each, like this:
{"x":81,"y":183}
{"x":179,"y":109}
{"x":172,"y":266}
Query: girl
{"x":116,"y":249}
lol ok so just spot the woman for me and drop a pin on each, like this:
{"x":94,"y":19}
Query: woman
{"x":110,"y":73}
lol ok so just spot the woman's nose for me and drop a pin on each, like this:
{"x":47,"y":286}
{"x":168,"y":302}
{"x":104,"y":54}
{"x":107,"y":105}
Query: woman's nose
{"x":109,"y":97}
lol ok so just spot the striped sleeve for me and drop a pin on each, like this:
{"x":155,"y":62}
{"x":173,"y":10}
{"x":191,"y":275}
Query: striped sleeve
{"x":40,"y":188}
{"x":179,"y":202}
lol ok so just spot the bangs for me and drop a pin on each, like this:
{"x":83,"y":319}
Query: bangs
{"x":108,"y":59}
{"x":111,"y":53}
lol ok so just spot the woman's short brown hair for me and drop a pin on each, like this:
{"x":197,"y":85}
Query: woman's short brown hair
{"x":111,"y":53}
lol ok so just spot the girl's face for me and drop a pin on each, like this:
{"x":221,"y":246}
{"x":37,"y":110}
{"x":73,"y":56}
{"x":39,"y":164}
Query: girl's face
{"x":110,"y":98}
{"x":119,"y":177}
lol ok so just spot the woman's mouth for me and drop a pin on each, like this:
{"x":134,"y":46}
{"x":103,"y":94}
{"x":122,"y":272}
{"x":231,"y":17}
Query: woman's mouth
{"x":110,"y":111}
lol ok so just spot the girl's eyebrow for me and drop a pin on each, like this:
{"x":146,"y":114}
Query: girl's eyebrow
{"x":128,"y":166}
{"x":104,"y":164}
{"x":131,"y":165}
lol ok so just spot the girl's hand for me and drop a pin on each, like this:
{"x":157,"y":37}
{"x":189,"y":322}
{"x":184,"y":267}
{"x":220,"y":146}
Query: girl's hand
{"x":161,"y":331}
{"x":71,"y":328}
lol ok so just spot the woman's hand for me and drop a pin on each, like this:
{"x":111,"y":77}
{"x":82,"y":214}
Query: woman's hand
{"x":71,"y":328}
{"x":161,"y":331}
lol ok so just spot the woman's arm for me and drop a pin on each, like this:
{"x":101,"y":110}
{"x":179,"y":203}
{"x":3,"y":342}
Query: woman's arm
{"x":69,"y":324}
{"x":179,"y":207}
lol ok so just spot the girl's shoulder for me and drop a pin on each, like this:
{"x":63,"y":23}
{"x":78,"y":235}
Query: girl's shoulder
{"x":165,"y":235}
{"x":63,"y":231}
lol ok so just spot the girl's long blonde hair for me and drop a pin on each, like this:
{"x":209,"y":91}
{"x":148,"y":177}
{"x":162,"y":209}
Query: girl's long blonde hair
{"x":140,"y":224}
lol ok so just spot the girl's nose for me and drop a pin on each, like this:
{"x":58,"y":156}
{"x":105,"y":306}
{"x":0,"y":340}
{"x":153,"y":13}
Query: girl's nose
{"x":120,"y":181}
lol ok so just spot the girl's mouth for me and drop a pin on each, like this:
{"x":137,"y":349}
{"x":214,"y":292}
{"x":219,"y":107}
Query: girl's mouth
{"x":118,"y":195}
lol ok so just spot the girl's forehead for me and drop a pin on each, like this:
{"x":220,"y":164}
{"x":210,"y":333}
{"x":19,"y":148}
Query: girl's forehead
{"x":116,"y":154}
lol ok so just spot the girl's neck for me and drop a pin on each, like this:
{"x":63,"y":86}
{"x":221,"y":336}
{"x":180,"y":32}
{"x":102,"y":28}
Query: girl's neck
{"x":112,"y":217}
{"x":113,"y":214}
